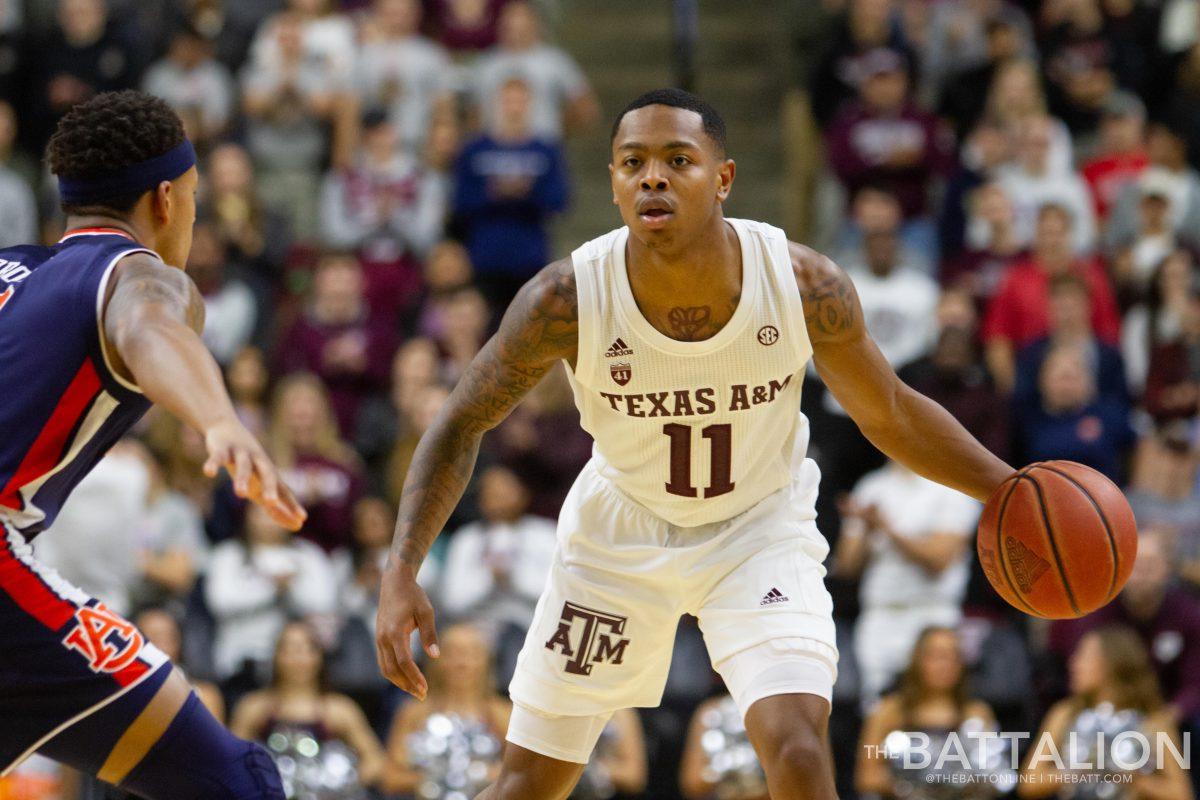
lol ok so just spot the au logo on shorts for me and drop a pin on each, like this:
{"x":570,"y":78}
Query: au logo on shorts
{"x":108,"y":642}
{"x":598,"y":642}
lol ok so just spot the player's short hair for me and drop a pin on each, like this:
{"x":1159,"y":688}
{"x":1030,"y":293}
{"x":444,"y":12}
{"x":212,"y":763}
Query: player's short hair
{"x":108,"y":133}
{"x":713,"y":123}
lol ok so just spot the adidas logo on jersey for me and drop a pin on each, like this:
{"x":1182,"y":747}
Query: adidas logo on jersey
{"x":774,"y":596}
{"x":618,"y":348}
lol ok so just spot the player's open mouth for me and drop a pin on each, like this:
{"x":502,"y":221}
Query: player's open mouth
{"x":655,"y":217}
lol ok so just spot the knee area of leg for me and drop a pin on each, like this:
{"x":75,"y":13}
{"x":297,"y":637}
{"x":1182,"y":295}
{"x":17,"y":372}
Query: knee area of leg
{"x":254,"y":776}
{"x":801,"y":747}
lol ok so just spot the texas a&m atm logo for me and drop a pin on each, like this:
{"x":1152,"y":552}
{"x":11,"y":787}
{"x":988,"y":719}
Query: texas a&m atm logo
{"x":598,"y":641}
{"x":108,"y":642}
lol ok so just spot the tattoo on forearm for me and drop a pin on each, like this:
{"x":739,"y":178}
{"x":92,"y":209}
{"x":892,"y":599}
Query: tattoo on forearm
{"x":539,"y":328}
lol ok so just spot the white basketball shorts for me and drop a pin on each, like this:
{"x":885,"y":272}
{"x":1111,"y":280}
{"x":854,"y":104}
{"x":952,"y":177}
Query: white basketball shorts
{"x":604,"y":628}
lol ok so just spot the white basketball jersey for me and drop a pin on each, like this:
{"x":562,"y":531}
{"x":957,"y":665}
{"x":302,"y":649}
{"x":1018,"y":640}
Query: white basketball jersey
{"x":697,"y":432}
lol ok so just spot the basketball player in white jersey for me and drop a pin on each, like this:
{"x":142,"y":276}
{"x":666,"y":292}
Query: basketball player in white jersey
{"x":685,"y":336}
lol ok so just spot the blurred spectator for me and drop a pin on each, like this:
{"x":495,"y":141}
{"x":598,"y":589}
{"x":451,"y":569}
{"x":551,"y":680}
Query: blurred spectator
{"x":426,"y":404}
{"x":953,"y":375}
{"x":1168,"y":169}
{"x":447,"y":270}
{"x":322,"y":470}
{"x":382,"y":421}
{"x":1019,"y":314}
{"x":461,"y":689}
{"x":401,"y":71}
{"x":95,"y":545}
{"x":359,"y":566}
{"x":865,"y":26}
{"x":197,"y":86}
{"x":1173,"y":378}
{"x":387,"y":208}
{"x":560,"y":99}
{"x":327,"y":36}
{"x":1016,"y":98}
{"x":707,"y":771}
{"x":507,"y":184}
{"x":171,"y":548}
{"x":18,"y":205}
{"x":885,"y":139}
{"x":1070,"y":325}
{"x":231,"y":311}
{"x":1122,"y":153}
{"x":289,"y":101}
{"x":1110,"y":666}
{"x":338,"y":339}
{"x":254,"y":584}
{"x":992,"y":244}
{"x":1154,"y":240}
{"x":986,"y":148}
{"x":298,"y":700}
{"x":497,"y":567}
{"x":964,"y":93}
{"x":931,"y":698}
{"x":253,"y":234}
{"x":1158,"y":321}
{"x":162,"y":630}
{"x":466,"y":25}
{"x":464,"y":330}
{"x":1032,"y":183}
{"x":1084,"y":62}
{"x":1073,"y":421}
{"x":248,"y":380}
{"x":907,"y":537}
{"x":898,"y":296}
{"x":1163,"y":496}
{"x":82,"y":56}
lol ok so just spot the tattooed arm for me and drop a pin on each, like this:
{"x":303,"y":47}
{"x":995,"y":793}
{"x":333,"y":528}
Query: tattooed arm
{"x":539,"y":328}
{"x":907,"y":426}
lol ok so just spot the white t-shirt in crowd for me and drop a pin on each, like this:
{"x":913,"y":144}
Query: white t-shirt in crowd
{"x":405,"y":77}
{"x":554,"y":80}
{"x":914,"y":507}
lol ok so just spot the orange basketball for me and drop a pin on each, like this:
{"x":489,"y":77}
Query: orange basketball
{"x":1057,"y":540}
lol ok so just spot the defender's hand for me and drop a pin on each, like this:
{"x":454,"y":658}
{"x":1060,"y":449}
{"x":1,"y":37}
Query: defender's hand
{"x":255,"y":478}
{"x":403,"y":608}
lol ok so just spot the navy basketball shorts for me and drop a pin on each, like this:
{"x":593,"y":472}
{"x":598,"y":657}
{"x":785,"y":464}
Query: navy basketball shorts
{"x":63,"y":654}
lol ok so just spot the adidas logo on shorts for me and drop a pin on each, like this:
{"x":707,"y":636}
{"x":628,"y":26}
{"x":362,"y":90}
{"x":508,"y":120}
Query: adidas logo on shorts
{"x":618,"y":348}
{"x":774,"y":596}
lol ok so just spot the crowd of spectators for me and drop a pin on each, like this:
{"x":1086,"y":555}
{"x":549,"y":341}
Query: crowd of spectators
{"x":1016,"y":202}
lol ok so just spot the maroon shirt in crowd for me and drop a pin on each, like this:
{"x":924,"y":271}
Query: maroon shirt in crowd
{"x":328,"y":490}
{"x":861,"y":143}
{"x":353,"y":360}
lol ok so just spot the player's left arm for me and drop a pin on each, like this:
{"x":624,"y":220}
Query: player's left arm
{"x":152,"y":317}
{"x":904,"y":424}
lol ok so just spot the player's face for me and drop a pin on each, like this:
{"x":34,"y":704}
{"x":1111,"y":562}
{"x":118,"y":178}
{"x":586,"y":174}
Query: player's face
{"x":668,"y":177}
{"x":175,"y":241}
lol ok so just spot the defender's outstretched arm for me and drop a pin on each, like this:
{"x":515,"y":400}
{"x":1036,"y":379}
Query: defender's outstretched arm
{"x":152,"y":319}
{"x":904,"y":424}
{"x":539,"y":328}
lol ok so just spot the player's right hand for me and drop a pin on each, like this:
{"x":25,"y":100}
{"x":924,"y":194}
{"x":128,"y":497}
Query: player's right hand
{"x":403,"y":608}
{"x":255,"y":477}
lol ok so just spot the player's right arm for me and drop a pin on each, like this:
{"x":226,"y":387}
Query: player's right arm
{"x":539,"y":328}
{"x":152,"y":318}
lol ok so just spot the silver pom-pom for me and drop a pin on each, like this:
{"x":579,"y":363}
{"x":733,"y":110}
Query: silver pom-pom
{"x":312,"y":770}
{"x":455,"y":754}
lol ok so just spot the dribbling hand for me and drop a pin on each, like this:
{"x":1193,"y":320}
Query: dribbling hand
{"x":403,"y":608}
{"x":255,"y":477}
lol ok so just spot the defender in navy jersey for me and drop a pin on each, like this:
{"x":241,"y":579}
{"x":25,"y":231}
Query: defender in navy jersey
{"x":93,"y":329}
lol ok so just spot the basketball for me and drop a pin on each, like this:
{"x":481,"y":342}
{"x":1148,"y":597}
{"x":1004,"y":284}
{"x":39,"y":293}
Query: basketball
{"x":1057,"y":540}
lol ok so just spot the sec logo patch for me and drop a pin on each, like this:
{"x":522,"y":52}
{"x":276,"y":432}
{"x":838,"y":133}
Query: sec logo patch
{"x":768,"y":335}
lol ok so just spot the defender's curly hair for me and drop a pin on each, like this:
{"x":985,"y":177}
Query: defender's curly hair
{"x":106,"y":133}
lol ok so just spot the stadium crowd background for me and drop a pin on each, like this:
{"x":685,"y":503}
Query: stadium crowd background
{"x":1012,"y":186}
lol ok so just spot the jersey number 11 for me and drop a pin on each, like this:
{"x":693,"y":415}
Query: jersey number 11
{"x":721,"y":437}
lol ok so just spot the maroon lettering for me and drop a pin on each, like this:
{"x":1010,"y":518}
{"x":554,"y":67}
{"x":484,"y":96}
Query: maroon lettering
{"x":739,"y":400}
{"x":776,"y":387}
{"x":683,"y":403}
{"x":631,"y":405}
{"x":612,"y":399}
{"x":656,"y":400}
{"x":721,"y":437}
{"x":681,"y":460}
{"x":705,"y":404}
{"x":760,"y":395}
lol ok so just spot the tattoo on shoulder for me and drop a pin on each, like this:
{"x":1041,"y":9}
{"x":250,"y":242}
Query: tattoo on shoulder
{"x":831,"y":307}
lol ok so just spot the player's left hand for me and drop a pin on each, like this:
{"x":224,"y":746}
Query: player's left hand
{"x":255,"y":477}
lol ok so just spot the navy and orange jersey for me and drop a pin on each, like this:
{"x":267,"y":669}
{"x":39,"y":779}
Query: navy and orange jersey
{"x":61,"y":404}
